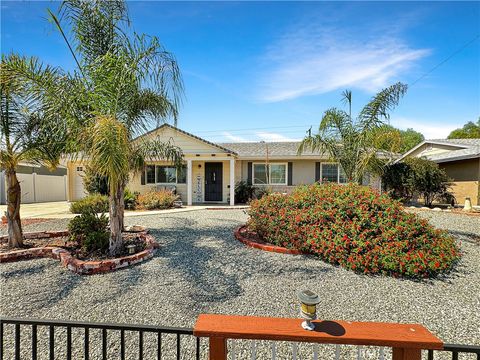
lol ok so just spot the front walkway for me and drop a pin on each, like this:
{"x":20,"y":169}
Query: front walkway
{"x":61,"y":210}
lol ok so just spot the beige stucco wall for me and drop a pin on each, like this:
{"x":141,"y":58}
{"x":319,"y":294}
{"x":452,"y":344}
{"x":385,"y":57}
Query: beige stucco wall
{"x":431,"y":149}
{"x":188,"y":144}
{"x":198,"y":181}
{"x":465,"y":177}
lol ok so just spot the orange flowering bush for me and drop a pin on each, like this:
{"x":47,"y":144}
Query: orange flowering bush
{"x":355,"y":227}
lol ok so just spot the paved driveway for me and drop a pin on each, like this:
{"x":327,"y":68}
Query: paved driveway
{"x":201,"y":268}
{"x":47,"y":210}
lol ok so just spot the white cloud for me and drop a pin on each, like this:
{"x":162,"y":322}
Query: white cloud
{"x":270,"y":136}
{"x":312,"y":60}
{"x":438,"y":131}
{"x":233,"y":138}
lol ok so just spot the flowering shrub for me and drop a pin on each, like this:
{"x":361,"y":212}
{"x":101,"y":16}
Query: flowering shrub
{"x":162,"y":199}
{"x":354,"y":227}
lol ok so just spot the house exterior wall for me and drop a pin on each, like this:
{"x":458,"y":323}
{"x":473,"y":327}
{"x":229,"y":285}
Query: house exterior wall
{"x":188,"y":144}
{"x":433,"y":149}
{"x":303,"y":173}
{"x":465,"y":177}
{"x":198,"y":181}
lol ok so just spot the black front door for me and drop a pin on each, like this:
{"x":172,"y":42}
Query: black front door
{"x":213,"y":181}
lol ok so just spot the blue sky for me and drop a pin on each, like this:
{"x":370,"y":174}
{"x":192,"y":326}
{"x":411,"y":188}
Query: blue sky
{"x":268,"y":70}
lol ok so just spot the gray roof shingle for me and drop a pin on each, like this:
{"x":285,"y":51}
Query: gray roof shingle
{"x":259,"y":149}
{"x":470,"y":150}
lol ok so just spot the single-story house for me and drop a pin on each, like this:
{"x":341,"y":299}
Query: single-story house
{"x":38,"y":184}
{"x":461,"y":160}
{"x":211,"y":170}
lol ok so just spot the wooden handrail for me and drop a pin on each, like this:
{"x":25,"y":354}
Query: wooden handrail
{"x":406,"y":340}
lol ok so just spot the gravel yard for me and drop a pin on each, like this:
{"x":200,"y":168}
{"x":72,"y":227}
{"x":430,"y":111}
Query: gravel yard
{"x":201,"y":268}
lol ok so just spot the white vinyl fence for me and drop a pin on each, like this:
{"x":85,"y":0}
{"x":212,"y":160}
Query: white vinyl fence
{"x":37,"y":188}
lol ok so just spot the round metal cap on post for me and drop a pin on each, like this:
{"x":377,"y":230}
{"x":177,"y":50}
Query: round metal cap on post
{"x":308,"y":307}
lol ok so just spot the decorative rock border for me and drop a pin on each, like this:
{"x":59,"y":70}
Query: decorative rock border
{"x":262,"y":245}
{"x":78,"y":266}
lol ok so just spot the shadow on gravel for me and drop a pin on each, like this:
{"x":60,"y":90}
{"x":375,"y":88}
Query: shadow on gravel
{"x":466,"y":236}
{"x":32,"y":270}
{"x":214,"y":262}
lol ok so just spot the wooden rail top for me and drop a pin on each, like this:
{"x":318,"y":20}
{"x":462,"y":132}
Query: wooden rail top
{"x":411,"y":336}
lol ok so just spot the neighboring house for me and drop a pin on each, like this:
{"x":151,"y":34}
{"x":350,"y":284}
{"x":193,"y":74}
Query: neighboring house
{"x":212,"y":170}
{"x":461,"y":160}
{"x":38,"y":184}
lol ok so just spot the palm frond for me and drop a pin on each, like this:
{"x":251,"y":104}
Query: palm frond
{"x":378,"y":109}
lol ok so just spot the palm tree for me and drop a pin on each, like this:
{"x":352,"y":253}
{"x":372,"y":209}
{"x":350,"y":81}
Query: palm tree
{"x":351,"y":142}
{"x":28,"y":132}
{"x":124,"y":84}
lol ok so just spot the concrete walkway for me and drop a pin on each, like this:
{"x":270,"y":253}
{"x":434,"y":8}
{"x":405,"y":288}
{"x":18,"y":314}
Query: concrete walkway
{"x":61,"y":210}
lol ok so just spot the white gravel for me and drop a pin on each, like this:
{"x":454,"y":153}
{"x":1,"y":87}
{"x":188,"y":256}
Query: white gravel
{"x":201,"y":268}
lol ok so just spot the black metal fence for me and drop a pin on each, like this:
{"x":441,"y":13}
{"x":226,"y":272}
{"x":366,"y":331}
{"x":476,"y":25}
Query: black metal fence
{"x":22,"y":339}
{"x":455,"y":350}
{"x":27,"y":339}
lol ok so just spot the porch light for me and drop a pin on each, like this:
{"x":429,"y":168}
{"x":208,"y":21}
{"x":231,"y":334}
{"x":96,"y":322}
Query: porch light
{"x":131,"y":249}
{"x":308,"y":308}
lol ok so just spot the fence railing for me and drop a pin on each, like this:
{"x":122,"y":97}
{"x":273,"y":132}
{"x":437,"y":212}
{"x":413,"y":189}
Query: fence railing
{"x":362,"y":340}
{"x":238,"y":336}
{"x":23,"y":339}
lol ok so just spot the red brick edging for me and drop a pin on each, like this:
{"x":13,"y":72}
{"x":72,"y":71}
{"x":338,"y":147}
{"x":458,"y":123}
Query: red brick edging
{"x":78,"y":266}
{"x":263,"y":246}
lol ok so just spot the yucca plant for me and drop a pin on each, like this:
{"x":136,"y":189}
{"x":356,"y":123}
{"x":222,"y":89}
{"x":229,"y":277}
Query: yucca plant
{"x":352,"y":142}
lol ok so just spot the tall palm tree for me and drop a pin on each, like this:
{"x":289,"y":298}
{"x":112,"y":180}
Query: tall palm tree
{"x":125,"y":83}
{"x":351,"y":142}
{"x":29,"y":133}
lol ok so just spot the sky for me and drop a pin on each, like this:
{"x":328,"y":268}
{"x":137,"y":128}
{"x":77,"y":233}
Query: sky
{"x":269,"y":70}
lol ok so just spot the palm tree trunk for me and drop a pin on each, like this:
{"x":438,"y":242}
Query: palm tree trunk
{"x":116,"y":220}
{"x":15,"y":235}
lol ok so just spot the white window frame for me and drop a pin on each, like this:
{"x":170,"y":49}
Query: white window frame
{"x":156,"y":178}
{"x":338,"y":171}
{"x":269,"y":172}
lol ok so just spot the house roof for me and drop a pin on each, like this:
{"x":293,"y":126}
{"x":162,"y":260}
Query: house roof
{"x":259,"y":149}
{"x":464,"y":149}
{"x":188,"y":134}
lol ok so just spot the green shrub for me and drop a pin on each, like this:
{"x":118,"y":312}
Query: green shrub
{"x":94,"y":183}
{"x":354,"y":227}
{"x":91,"y":203}
{"x":90,"y":231}
{"x":244,"y":192}
{"x":130,"y":199}
{"x":260,"y":192}
{"x":417,"y":177}
{"x":162,"y":199}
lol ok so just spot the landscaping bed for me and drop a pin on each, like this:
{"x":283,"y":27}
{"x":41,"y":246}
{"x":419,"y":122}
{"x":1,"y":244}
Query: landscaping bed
{"x":354,"y":227}
{"x":58,"y":245}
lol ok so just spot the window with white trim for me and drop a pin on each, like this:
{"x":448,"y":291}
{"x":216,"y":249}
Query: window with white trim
{"x":332,"y":172}
{"x":165,"y":174}
{"x":277,"y":174}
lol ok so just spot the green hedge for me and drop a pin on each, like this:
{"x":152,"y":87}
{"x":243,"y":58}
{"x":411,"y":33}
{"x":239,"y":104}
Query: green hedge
{"x":356,"y":228}
{"x":91,"y":203}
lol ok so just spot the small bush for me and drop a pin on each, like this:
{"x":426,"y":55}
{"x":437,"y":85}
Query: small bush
{"x":94,"y":183}
{"x":162,"y":199}
{"x":244,"y":192}
{"x":354,"y":227}
{"x":92,"y":203}
{"x":260,"y":192}
{"x":90,"y":231}
{"x":417,"y":177}
{"x":130,"y":199}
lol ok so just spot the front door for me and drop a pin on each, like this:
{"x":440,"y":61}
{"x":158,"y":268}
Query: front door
{"x":213,"y":181}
